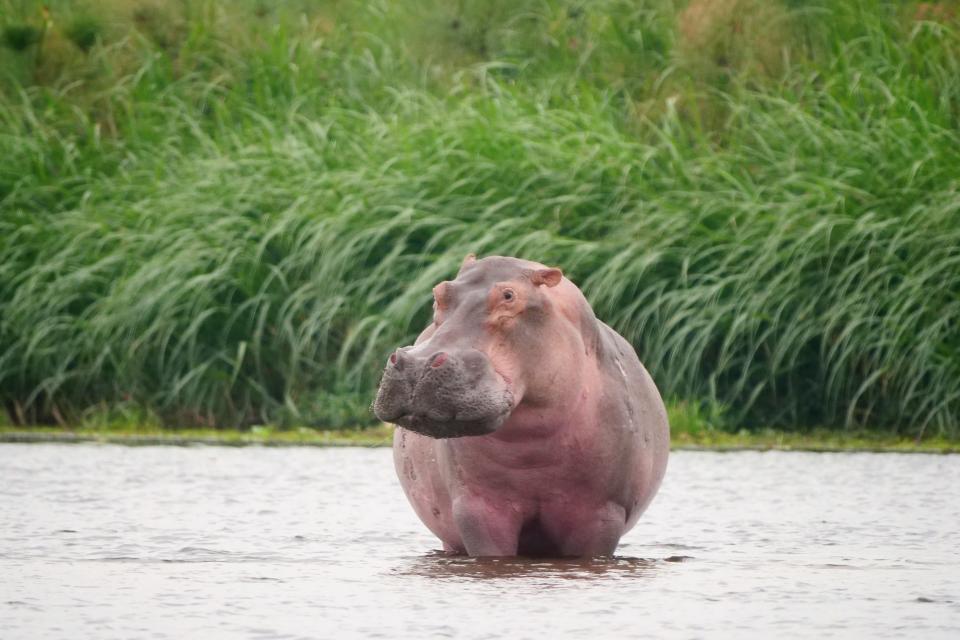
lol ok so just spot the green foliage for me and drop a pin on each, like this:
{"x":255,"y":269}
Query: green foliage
{"x":219,"y":218}
{"x":694,"y":419}
{"x":84,"y":31}
{"x":18,"y":37}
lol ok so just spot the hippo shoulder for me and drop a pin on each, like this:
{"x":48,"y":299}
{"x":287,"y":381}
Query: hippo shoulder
{"x":617,"y":358}
{"x":612,"y":347}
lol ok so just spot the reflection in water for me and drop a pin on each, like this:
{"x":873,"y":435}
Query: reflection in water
{"x":439,"y":565}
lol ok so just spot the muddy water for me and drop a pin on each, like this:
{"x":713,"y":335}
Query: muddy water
{"x":208,"y":542}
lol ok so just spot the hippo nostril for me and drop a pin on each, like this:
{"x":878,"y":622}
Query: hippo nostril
{"x":397,"y":359}
{"x":438,"y":359}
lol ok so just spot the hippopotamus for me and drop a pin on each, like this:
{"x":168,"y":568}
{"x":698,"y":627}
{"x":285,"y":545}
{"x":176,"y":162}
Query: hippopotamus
{"x":525,"y":425}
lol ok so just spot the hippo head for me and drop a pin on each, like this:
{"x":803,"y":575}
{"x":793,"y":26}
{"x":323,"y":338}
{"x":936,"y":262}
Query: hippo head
{"x":487,"y":350}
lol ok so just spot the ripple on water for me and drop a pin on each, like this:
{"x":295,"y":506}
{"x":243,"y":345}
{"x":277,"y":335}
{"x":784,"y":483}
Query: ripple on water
{"x":438,"y":565}
{"x":111,"y":542}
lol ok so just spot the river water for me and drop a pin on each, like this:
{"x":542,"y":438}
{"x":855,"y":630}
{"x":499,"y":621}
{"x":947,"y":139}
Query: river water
{"x":100,"y":541}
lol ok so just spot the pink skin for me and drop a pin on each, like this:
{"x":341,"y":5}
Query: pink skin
{"x":583,"y":449}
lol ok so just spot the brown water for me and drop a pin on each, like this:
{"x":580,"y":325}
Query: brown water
{"x":208,"y":542}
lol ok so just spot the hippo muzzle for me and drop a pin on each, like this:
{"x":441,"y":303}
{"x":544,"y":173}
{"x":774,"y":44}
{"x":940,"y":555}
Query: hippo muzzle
{"x":444,"y":394}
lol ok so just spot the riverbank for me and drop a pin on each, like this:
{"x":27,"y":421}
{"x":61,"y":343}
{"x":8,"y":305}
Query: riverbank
{"x":767,"y":440}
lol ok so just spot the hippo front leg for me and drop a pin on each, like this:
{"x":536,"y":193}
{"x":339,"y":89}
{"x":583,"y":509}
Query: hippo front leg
{"x":486,"y":528}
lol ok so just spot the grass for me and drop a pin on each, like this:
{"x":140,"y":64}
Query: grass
{"x":151,"y":436}
{"x":212,"y":218}
{"x":382,"y":436}
{"x":693,"y":427}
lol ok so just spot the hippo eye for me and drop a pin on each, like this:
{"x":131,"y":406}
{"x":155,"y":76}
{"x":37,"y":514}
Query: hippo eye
{"x":508,"y":295}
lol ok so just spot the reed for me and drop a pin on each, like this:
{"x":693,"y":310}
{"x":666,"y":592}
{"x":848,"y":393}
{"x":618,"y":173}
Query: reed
{"x":213,"y":219}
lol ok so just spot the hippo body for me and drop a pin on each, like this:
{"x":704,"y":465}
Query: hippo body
{"x":525,"y":425}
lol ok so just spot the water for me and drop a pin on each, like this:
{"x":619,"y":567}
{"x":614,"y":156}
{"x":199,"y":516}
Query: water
{"x":207,"y":542}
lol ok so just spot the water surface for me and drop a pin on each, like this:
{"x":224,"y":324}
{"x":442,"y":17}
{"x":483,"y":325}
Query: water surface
{"x":208,"y":542}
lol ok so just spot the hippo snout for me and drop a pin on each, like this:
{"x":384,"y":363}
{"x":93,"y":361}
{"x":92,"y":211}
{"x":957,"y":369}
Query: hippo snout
{"x":443,"y":394}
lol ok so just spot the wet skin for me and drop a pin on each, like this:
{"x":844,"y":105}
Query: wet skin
{"x":525,"y":424}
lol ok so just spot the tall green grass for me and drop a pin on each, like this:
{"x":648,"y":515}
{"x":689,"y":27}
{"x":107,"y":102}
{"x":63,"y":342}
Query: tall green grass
{"x":236,"y":221}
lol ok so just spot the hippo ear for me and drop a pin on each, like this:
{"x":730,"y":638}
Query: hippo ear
{"x":468,"y":261}
{"x":550,"y":277}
